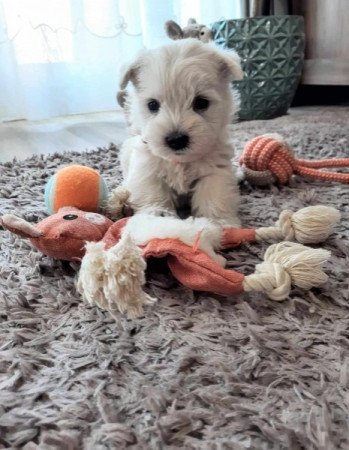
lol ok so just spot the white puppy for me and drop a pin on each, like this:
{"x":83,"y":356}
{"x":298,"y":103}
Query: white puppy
{"x":179,"y":110}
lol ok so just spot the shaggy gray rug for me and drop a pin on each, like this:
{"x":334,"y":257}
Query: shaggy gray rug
{"x":197,"y":371}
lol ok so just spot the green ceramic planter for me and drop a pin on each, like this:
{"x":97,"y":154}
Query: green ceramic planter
{"x":272,"y":52}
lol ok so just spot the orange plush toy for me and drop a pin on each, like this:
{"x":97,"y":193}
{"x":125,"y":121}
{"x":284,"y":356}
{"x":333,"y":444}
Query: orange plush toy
{"x":112,"y":271}
{"x":62,"y":235}
{"x":113,"y":255}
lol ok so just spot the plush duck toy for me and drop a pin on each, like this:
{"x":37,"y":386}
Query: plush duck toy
{"x":113,"y":255}
{"x":112,"y":271}
{"x":62,"y":235}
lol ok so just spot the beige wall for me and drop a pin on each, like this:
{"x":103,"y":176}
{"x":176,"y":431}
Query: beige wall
{"x":327,"y":40}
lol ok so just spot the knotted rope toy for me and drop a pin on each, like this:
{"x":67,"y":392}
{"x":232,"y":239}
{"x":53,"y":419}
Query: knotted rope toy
{"x":268,"y":159}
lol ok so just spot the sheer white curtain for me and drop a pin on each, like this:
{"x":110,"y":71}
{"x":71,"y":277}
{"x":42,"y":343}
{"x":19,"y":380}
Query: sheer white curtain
{"x":61,"y":57}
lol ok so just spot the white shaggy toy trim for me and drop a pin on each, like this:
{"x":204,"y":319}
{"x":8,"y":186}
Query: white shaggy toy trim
{"x":200,"y":231}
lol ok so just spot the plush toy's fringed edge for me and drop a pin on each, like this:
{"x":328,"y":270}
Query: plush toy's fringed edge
{"x":287,"y":264}
{"x":113,"y":279}
{"x":124,"y":278}
{"x":91,"y":275}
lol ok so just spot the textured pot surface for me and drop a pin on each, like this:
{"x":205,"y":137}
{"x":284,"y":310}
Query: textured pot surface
{"x":272,"y":52}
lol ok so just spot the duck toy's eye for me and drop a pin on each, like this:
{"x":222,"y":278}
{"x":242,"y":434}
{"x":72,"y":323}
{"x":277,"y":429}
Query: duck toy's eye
{"x":70,"y":217}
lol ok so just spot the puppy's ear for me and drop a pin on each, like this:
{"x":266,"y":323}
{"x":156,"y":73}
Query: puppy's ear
{"x":230,"y":66}
{"x":129,"y":73}
{"x":173,"y":30}
{"x":121,"y":98}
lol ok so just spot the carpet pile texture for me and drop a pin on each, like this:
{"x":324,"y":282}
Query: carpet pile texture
{"x":197,"y":371}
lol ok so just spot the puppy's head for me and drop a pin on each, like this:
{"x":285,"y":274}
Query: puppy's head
{"x":182,"y":100}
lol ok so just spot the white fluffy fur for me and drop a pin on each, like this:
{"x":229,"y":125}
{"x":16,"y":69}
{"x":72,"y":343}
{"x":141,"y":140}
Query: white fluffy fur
{"x":174,"y":75}
{"x":199,"y":231}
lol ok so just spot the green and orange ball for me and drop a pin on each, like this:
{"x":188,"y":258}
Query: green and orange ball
{"x":76,"y":185}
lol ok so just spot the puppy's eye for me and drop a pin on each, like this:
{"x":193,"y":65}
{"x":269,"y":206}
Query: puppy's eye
{"x":153,"y":105}
{"x":200,"y":103}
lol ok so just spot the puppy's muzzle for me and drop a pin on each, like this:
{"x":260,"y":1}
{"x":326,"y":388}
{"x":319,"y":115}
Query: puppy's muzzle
{"x":177,"y":141}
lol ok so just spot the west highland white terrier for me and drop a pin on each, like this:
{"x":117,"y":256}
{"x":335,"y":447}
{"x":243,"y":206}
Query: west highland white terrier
{"x":179,"y":110}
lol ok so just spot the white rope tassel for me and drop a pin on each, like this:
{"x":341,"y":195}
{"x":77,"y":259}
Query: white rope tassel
{"x":285,"y":264}
{"x":309,"y":225}
{"x":113,"y":279}
{"x":91,"y":275}
{"x":315,"y":223}
{"x":124,"y":278}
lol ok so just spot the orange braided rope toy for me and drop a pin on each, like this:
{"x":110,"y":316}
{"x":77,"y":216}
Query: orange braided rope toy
{"x":267,"y":159}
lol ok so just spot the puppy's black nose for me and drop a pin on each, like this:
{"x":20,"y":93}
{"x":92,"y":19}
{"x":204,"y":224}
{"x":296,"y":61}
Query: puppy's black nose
{"x":177,"y":141}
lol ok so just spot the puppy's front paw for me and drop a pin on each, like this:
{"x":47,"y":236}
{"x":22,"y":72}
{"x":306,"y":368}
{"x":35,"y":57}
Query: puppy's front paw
{"x":240,"y":174}
{"x":220,"y":260}
{"x":118,"y":204}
